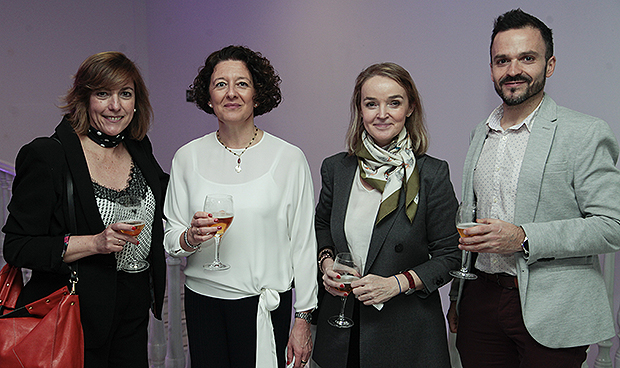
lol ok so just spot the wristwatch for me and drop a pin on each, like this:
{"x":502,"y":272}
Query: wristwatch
{"x":306,"y":316}
{"x":526,"y":247}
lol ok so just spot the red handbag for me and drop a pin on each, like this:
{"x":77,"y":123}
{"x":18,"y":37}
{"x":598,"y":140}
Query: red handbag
{"x":46,"y":333}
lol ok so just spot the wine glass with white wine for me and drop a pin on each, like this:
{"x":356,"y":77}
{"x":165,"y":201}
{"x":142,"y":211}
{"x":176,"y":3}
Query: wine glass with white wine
{"x":220,"y":206}
{"x":129,"y":209}
{"x":349,"y":268}
{"x":465,"y":218}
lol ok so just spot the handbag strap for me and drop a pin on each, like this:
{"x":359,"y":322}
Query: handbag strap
{"x":73,"y":267}
{"x":11,"y":284}
{"x":73,"y":222}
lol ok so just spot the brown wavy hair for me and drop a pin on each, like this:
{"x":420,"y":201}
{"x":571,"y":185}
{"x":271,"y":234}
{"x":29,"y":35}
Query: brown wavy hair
{"x":266,"y":81}
{"x":414,"y":124}
{"x":107,"y":70}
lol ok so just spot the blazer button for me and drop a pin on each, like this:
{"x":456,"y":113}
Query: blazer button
{"x":439,"y":281}
{"x":398,"y":248}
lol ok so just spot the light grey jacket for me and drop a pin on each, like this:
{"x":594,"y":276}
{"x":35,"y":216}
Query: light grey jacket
{"x":568,"y":203}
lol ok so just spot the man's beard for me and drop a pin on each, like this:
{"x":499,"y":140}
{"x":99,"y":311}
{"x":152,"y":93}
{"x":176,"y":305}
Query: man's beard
{"x":531,"y":90}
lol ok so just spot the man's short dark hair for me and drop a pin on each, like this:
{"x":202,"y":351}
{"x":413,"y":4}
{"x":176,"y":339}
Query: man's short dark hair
{"x":517,"y":19}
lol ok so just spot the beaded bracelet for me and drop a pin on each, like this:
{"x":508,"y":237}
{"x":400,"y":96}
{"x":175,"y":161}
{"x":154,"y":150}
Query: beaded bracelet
{"x":194,"y":247}
{"x":325,"y":253}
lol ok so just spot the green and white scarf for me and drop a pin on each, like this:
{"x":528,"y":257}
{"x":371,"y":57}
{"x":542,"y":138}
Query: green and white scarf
{"x":388,"y":170}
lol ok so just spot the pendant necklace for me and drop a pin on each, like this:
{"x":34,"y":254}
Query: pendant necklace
{"x":238,"y":167}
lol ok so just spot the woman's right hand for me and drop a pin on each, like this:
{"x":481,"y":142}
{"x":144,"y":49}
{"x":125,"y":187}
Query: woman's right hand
{"x":331,"y":278}
{"x":112,"y":239}
{"x":202,"y":228}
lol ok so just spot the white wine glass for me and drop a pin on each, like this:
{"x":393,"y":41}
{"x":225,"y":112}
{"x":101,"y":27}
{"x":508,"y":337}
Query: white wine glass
{"x":465,"y":218}
{"x":349,"y":268}
{"x":220,"y":206}
{"x":129,"y":209}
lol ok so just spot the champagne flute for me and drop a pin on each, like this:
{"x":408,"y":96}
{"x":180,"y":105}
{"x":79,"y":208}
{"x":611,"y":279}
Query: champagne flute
{"x":349,"y":268}
{"x":221,"y":207}
{"x":465,"y":218}
{"x":129,"y":209}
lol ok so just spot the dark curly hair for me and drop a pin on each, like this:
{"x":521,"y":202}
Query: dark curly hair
{"x":266,"y":81}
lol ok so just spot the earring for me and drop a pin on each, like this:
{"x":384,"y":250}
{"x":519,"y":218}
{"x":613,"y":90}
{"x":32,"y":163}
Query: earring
{"x":255,"y":105}
{"x":134,"y":110}
{"x":211,"y":106}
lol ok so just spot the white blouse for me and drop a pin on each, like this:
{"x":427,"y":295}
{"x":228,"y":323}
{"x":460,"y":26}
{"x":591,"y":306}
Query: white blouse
{"x":271,"y":242}
{"x":360,"y":219}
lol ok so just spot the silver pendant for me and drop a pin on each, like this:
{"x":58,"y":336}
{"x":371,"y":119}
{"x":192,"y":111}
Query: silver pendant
{"x":238,"y":168}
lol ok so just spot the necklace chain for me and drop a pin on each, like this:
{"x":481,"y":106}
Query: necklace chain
{"x":238,"y":167}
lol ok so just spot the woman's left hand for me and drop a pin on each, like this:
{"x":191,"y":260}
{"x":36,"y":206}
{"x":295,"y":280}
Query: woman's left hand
{"x":373,"y":289}
{"x":299,"y":344}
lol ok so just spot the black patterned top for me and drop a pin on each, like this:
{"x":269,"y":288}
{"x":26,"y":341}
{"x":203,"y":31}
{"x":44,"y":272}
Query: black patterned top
{"x":106,"y":202}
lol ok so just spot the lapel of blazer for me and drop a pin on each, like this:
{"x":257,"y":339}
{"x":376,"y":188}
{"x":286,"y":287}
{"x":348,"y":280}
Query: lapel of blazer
{"x":382,"y":230}
{"x":344,"y":173}
{"x":473,"y":154}
{"x":534,"y":160}
{"x":83,"y":187}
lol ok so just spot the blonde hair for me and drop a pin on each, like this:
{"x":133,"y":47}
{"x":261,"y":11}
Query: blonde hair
{"x":414,"y":124}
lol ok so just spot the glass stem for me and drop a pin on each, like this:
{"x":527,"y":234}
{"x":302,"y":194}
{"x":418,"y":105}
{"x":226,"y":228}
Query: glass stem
{"x":217,"y":249}
{"x":465,"y":261}
{"x":344,"y":303}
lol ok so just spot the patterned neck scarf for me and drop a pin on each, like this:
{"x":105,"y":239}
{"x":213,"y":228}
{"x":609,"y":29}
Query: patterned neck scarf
{"x":388,"y":170}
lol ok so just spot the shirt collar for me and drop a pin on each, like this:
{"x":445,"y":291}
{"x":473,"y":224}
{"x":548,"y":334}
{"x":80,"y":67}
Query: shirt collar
{"x":494,"y":120}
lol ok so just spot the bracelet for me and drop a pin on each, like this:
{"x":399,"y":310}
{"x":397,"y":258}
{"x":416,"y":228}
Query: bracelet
{"x":65,"y":246}
{"x":306,"y":316}
{"x":410,"y":279}
{"x":194,"y":247}
{"x":411,"y":289}
{"x":400,"y":290}
{"x":325,"y":253}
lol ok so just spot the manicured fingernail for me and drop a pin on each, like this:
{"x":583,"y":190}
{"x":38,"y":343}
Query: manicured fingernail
{"x":216,"y":220}
{"x":337,"y":276}
{"x":219,"y":228}
{"x":346,"y":294}
{"x":137,"y":242}
{"x":133,"y":228}
{"x":342,"y":286}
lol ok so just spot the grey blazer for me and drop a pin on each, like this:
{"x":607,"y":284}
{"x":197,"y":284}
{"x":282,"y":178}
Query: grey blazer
{"x":568,"y":203}
{"x":410,"y":330}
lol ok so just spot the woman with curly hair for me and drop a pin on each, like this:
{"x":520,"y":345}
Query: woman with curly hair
{"x":241,"y":316}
